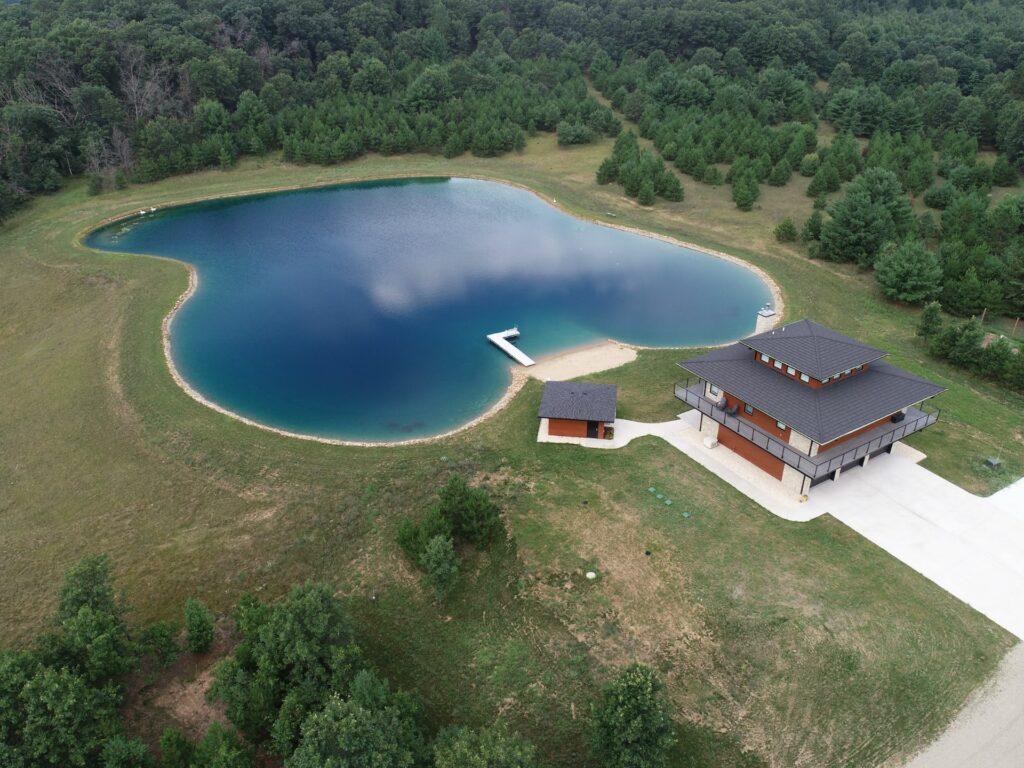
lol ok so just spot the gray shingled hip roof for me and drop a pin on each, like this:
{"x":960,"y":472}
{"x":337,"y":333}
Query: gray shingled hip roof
{"x":821,"y":414}
{"x":813,"y":349}
{"x":578,"y":400}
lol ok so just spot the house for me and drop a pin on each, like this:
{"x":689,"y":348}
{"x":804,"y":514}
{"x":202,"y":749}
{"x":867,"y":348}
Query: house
{"x":805,"y":403}
{"x":577,"y":409}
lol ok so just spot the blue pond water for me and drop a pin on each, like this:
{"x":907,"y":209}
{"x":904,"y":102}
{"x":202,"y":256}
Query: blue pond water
{"x":360,"y":311}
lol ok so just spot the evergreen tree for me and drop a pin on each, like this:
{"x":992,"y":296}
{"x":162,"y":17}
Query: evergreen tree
{"x":780,"y":173}
{"x":908,"y":272}
{"x":826,"y":180}
{"x":930,"y":321}
{"x":198,"y":626}
{"x":632,"y":728}
{"x":645,"y":195}
{"x":440,"y":565}
{"x":785,"y":231}
{"x":812,"y":227}
{"x":745,"y":191}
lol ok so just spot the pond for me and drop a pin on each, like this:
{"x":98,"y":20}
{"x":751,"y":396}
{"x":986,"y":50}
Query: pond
{"x":360,"y":311}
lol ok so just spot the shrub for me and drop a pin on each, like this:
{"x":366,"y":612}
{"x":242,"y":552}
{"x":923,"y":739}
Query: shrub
{"x":222,"y":748}
{"x":940,"y":196}
{"x":487,"y":748}
{"x":122,"y":752}
{"x":785,"y":231}
{"x":930,"y":321}
{"x":809,"y":165}
{"x":413,"y":536}
{"x":159,"y":641}
{"x":198,"y":626}
{"x":712,"y":176}
{"x":88,"y":584}
{"x":175,"y":750}
{"x":631,"y":724}
{"x":573,"y":133}
{"x":908,"y":272}
{"x":1004,"y":174}
{"x":473,"y":516}
{"x":440,"y":565}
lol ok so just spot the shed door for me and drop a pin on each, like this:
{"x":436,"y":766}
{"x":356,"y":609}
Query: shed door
{"x":591,"y":429}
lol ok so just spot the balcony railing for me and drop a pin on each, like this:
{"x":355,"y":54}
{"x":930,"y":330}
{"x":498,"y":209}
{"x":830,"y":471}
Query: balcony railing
{"x":692,"y":393}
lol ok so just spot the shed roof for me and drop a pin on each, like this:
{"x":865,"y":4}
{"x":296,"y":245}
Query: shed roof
{"x":813,"y":349}
{"x":578,"y":400}
{"x":823,"y":413}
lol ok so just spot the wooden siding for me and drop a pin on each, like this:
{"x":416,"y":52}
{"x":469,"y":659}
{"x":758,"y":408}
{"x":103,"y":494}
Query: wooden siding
{"x":760,"y":418}
{"x":759,"y":457}
{"x":572,"y":428}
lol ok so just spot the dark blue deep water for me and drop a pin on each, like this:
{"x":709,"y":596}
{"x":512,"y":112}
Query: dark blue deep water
{"x":360,"y":311}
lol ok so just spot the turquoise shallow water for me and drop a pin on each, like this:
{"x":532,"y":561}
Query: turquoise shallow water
{"x":360,"y":311}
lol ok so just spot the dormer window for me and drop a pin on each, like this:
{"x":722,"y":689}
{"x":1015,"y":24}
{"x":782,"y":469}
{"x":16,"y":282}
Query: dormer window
{"x":790,"y":370}
{"x":764,"y":358}
{"x":780,"y":425}
{"x":778,"y":365}
{"x":804,"y":377}
{"x":846,"y":372}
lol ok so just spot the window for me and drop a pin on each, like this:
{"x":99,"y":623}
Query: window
{"x":764,"y":358}
{"x":846,"y":372}
{"x":826,"y":380}
{"x":790,"y":370}
{"x":780,"y":425}
{"x":748,"y":409}
{"x":804,"y":377}
{"x":714,"y":390}
{"x":778,"y":364}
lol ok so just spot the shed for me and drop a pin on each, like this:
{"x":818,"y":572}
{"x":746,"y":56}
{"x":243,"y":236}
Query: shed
{"x":577,"y":408}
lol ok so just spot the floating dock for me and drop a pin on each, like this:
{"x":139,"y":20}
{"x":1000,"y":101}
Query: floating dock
{"x":501,"y":341}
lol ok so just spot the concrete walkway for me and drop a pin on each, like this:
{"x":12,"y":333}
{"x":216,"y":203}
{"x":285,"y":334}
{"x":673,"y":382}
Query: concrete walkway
{"x":970,"y":546}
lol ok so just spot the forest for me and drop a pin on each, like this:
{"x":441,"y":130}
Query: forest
{"x":927,"y":96}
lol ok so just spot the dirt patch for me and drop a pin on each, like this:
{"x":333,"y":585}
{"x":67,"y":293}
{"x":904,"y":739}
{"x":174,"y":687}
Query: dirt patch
{"x":185,"y":702}
{"x":176,"y":696}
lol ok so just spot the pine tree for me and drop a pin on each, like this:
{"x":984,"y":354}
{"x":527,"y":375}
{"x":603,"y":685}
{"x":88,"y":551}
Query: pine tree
{"x":930,"y":321}
{"x":745,"y":191}
{"x":780,"y":173}
{"x":785,"y":231}
{"x":646,"y":196}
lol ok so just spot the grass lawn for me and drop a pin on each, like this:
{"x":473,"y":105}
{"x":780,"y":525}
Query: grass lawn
{"x":802,"y":642}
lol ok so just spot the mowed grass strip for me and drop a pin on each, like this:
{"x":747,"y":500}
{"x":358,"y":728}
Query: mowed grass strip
{"x":751,"y":621}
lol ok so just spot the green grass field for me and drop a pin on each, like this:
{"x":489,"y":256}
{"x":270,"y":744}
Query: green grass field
{"x":802,"y":642}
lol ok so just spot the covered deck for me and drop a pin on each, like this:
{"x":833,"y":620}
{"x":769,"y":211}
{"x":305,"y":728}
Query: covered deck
{"x":824,"y":464}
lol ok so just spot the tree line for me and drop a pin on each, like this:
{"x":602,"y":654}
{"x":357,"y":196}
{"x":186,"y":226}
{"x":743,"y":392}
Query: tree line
{"x":128,"y":93}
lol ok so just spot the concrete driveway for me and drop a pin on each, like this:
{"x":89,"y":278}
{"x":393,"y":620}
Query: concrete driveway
{"x":970,"y":546}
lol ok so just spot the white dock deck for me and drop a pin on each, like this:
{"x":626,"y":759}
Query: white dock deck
{"x":501,"y":341}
